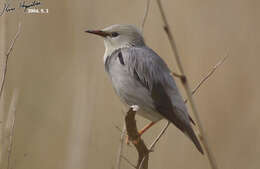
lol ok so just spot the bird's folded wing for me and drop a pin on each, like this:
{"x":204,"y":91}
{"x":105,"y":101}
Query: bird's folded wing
{"x":153,"y":73}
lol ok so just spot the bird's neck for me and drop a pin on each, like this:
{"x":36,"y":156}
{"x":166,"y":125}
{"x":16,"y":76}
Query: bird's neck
{"x":109,"y":50}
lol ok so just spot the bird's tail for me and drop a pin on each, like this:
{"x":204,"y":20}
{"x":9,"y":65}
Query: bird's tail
{"x":190,"y":133}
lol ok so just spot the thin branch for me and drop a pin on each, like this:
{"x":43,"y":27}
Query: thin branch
{"x":7,"y":57}
{"x":12,"y":115}
{"x":202,"y":81}
{"x":178,"y":76}
{"x":118,"y":128}
{"x":134,"y":137}
{"x":142,"y":162}
{"x":159,"y":136}
{"x":170,"y":36}
{"x":145,"y":14}
{"x":131,"y":164}
{"x":209,"y":74}
{"x":186,"y":85}
{"x":120,"y":148}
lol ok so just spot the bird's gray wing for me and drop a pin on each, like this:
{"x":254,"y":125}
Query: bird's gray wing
{"x":148,"y":69}
{"x":153,"y":73}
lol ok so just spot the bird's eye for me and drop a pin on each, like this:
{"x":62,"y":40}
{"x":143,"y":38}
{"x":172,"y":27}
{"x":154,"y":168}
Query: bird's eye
{"x":114,"y":34}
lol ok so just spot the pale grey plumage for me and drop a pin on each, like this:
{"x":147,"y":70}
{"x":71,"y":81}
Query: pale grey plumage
{"x":135,"y":79}
{"x":140,"y":77}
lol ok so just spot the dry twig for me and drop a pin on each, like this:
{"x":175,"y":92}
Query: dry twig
{"x":208,"y":75}
{"x":120,"y":148}
{"x":129,"y":162}
{"x":151,"y":147}
{"x":11,"y":126}
{"x":185,"y":101}
{"x":134,"y":137}
{"x":7,"y":57}
{"x":145,"y":14}
{"x":186,"y":85}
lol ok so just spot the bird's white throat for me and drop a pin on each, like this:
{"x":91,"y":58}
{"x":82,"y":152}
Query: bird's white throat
{"x":110,"y":49}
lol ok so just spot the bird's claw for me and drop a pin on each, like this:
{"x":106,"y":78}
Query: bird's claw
{"x":127,"y":141}
{"x":135,"y":108}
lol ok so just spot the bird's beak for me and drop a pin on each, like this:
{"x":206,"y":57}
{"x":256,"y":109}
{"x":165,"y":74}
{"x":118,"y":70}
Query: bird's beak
{"x":98,"y":32}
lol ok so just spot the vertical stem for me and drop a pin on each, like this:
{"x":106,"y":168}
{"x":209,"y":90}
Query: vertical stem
{"x":10,"y":124}
{"x":133,"y":135}
{"x":120,"y":148}
{"x":145,"y":14}
{"x":187,"y":88}
{"x":7,"y":57}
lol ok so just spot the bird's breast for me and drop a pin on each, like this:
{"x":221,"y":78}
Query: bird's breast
{"x":130,"y":91}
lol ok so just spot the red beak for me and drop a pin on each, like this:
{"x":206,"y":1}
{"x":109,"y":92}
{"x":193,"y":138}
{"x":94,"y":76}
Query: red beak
{"x":98,"y":32}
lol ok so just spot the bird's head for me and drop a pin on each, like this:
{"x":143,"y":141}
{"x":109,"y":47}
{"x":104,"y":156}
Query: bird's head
{"x":119,"y":36}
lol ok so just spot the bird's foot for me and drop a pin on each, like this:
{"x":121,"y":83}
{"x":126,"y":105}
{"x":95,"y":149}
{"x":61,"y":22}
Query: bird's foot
{"x":140,"y":133}
{"x":135,"y":108}
{"x":127,"y":140}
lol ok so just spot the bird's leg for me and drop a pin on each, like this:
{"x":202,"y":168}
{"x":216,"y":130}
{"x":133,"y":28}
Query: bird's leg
{"x":141,"y":132}
{"x":146,"y":128}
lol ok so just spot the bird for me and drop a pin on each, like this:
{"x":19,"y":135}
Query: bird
{"x":140,"y":77}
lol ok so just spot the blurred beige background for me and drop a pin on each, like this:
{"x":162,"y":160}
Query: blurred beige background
{"x":67,"y":110}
